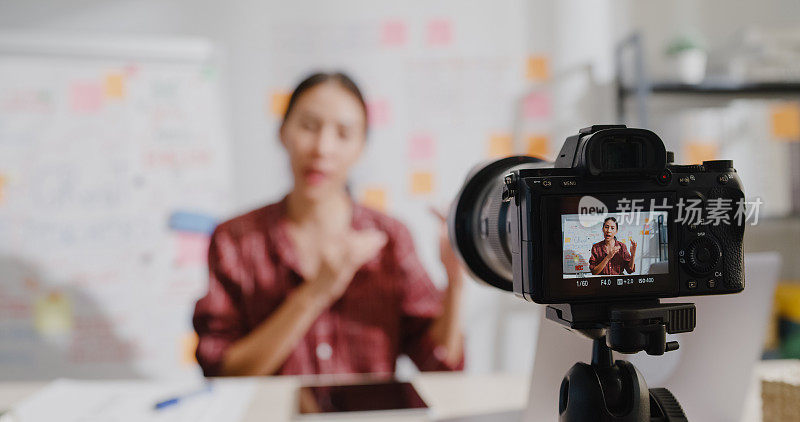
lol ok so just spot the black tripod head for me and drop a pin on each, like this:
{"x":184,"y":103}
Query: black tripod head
{"x":616,"y":391}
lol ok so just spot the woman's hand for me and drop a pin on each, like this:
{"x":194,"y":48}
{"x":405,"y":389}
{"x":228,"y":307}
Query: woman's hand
{"x":340,"y":260}
{"x":633,"y":247}
{"x":450,"y":261}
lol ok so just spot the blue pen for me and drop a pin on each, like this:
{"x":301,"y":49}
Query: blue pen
{"x":175,"y":400}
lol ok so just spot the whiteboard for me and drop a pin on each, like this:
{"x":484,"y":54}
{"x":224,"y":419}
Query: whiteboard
{"x":114,"y":165}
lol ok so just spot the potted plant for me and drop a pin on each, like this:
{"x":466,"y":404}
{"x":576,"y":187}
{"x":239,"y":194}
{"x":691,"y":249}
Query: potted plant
{"x":688,"y":58}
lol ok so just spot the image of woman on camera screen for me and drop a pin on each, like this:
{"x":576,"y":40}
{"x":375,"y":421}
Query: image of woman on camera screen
{"x":317,"y":283}
{"x":610,"y":256}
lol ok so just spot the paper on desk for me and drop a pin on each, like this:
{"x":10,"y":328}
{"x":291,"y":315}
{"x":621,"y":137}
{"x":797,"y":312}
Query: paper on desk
{"x":118,"y":401}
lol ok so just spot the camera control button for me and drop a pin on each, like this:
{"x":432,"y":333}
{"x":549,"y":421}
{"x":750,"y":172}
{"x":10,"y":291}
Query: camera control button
{"x":711,"y":283}
{"x":723,"y":179}
{"x":665,"y":177}
{"x":547,"y":183}
{"x":685,"y":180}
{"x":691,"y":284}
{"x":569,"y":183}
{"x":704,"y":255}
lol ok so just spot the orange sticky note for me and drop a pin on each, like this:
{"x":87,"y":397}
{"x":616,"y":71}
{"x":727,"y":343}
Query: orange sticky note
{"x":500,"y":145}
{"x":697,"y":152}
{"x":278,"y":102}
{"x":374,"y":197}
{"x":421,"y":182}
{"x":188,"y":346}
{"x":115,"y":85}
{"x":537,"y":69}
{"x":786,"y":122}
{"x":538,"y":145}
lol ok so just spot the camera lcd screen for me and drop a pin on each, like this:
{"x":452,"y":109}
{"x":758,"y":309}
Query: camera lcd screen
{"x":614,"y":244}
{"x":606,"y":250}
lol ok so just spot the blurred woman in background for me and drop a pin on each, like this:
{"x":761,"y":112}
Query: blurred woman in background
{"x":316,"y":283}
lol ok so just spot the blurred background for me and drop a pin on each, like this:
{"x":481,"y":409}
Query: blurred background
{"x":128,"y":129}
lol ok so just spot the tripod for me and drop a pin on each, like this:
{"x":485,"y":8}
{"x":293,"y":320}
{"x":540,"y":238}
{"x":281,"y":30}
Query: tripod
{"x":611,"y":391}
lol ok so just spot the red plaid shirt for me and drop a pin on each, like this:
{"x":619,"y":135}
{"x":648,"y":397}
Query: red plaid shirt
{"x":386,"y":310}
{"x":616,"y":264}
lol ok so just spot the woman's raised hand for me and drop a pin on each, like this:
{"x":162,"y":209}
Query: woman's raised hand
{"x":340,"y":260}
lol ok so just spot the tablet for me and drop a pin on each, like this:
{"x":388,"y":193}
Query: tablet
{"x":354,"y":399}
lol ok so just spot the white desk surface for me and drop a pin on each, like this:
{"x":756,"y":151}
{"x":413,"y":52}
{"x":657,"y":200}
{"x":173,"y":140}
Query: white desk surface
{"x":448,"y":395}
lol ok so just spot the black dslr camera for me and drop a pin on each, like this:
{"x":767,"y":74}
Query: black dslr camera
{"x":600,"y":236}
{"x":525,"y":226}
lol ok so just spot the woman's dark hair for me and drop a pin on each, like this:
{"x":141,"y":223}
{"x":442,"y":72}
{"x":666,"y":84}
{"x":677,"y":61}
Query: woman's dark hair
{"x":319,"y":78}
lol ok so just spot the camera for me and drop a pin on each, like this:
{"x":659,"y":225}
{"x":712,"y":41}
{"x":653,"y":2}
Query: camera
{"x":612,"y":219}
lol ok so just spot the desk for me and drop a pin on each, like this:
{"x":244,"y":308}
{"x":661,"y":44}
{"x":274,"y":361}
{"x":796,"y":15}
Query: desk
{"x":448,"y":394}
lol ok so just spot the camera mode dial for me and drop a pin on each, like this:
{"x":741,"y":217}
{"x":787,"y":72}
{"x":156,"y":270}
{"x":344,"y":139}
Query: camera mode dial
{"x":704,"y":255}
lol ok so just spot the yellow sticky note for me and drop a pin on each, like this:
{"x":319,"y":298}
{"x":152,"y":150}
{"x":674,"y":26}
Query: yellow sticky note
{"x":53,"y":314}
{"x":786,"y":122}
{"x":374,"y":197}
{"x":188,"y":346}
{"x":500,"y":145}
{"x":538,"y":146}
{"x":115,"y":85}
{"x":278,"y":102}
{"x":537,"y":68}
{"x":567,"y":239}
{"x":421,"y":182}
{"x":697,"y":152}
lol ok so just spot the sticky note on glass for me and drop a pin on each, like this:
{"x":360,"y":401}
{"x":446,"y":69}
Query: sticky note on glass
{"x":500,"y":145}
{"x":439,"y":32}
{"x":115,"y":86}
{"x":278,"y":101}
{"x":394,"y":33}
{"x":697,"y":152}
{"x":374,"y":197}
{"x":379,"y":113}
{"x":188,"y":221}
{"x":786,"y":121}
{"x":421,"y":182}
{"x":421,"y":147}
{"x":537,"y":68}
{"x":538,"y":146}
{"x":52,"y":314}
{"x":188,"y":346}
{"x":191,"y":249}
{"x":86,"y":97}
{"x":536,"y":106}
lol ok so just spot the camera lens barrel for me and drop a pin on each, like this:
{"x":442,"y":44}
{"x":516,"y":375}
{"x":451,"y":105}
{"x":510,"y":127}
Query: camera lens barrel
{"x":479,"y":221}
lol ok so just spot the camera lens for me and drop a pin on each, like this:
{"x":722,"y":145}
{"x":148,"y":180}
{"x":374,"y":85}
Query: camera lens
{"x":479,"y":223}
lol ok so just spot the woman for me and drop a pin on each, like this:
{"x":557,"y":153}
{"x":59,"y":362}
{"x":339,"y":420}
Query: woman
{"x":316,"y":283}
{"x":610,"y":256}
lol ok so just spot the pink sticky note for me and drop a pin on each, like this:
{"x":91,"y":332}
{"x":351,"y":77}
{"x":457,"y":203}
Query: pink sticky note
{"x":86,"y":97}
{"x":440,"y":32}
{"x":394,"y":33}
{"x":421,"y":147}
{"x":379,"y":113}
{"x":192,"y":249}
{"x":536,"y":106}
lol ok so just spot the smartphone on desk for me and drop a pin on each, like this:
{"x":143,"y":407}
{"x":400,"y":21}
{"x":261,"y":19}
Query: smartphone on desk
{"x":351,"y":401}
